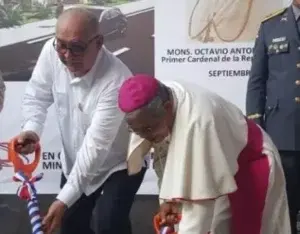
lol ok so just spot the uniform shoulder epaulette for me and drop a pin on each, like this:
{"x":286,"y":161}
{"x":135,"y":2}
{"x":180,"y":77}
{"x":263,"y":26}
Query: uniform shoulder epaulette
{"x":254,"y":116}
{"x":273,"y":14}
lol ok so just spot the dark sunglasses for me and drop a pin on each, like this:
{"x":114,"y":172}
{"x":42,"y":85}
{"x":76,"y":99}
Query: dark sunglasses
{"x":75,"y":47}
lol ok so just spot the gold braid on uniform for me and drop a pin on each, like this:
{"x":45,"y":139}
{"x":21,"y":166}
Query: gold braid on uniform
{"x":273,"y":14}
{"x":254,"y":116}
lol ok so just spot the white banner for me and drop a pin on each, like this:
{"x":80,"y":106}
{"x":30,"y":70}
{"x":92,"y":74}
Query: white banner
{"x":209,"y":42}
{"x":10,"y":122}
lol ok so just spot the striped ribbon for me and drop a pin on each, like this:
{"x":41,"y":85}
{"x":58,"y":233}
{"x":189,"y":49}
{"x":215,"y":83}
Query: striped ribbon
{"x":27,"y":192}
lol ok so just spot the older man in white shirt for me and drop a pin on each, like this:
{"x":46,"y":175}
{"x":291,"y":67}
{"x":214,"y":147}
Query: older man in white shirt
{"x":81,"y":78}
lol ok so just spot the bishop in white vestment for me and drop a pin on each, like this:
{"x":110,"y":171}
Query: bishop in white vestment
{"x":222,"y":168}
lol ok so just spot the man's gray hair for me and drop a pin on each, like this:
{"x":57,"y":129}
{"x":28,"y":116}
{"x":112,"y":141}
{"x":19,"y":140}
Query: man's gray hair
{"x":90,"y":20}
{"x":2,"y":91}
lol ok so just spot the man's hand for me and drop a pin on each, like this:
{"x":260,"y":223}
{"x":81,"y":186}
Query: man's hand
{"x":168,"y":213}
{"x":52,"y":220}
{"x":26,"y":142}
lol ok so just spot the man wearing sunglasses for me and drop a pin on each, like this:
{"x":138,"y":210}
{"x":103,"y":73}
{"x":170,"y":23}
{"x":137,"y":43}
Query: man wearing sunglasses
{"x":81,"y":78}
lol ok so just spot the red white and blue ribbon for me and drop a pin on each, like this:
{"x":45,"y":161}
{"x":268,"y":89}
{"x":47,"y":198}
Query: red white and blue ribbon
{"x":27,"y":192}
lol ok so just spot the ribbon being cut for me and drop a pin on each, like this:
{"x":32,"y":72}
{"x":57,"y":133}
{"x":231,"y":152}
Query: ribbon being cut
{"x":23,"y":173}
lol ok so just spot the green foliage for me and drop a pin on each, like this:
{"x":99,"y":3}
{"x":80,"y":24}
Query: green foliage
{"x":40,"y":11}
{"x":109,"y":2}
{"x":18,"y":14}
{"x":10,"y":16}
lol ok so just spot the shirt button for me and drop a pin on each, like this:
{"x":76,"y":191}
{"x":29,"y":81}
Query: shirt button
{"x":297,"y":82}
{"x":297,"y":99}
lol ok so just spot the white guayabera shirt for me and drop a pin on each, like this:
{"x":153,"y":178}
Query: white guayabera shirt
{"x":92,"y":128}
{"x":2,"y":92}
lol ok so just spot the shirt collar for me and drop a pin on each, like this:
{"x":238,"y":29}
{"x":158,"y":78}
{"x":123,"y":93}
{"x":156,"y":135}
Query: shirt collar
{"x":89,"y":78}
{"x":296,"y":12}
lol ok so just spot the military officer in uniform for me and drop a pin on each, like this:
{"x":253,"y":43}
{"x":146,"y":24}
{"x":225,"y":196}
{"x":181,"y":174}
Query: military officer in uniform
{"x":273,"y":92}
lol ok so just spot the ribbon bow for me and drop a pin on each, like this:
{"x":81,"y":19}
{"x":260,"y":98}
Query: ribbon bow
{"x":27,"y":190}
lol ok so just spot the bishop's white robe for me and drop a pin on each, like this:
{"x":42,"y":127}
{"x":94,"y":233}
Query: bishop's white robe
{"x":223,"y":169}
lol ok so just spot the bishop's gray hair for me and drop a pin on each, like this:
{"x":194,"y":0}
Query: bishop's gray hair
{"x":156,"y":106}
